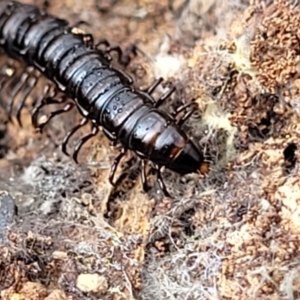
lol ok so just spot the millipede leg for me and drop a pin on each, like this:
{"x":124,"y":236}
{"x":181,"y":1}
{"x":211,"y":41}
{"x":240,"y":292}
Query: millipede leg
{"x":123,"y":58}
{"x":165,"y":96}
{"x":115,"y":166}
{"x":144,"y":176}
{"x":4,"y":80}
{"x":161,"y":182}
{"x":181,"y":108}
{"x":185,"y":117}
{"x":46,"y":98}
{"x":107,"y":51}
{"x":109,"y":135}
{"x":153,"y":86}
{"x":88,"y":39}
{"x":83,"y":140}
{"x":148,"y":91}
{"x":103,"y":42}
{"x":25,"y":94}
{"x":65,"y":109}
{"x":70,"y":133}
{"x":39,"y":104}
{"x":15,"y":91}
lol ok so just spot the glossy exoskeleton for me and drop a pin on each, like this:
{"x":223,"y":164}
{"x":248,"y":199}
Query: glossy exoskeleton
{"x":103,"y":95}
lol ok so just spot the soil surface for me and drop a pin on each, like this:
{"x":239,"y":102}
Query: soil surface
{"x":66,"y":233}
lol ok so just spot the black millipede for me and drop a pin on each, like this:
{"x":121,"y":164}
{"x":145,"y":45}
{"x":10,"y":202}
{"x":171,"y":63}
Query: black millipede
{"x":103,"y":95}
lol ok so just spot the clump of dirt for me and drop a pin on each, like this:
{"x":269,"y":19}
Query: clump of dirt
{"x":233,"y":234}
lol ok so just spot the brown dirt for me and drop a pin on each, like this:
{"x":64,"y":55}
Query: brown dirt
{"x":233,"y":234}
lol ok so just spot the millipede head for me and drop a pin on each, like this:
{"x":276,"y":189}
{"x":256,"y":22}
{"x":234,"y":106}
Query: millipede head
{"x":189,"y":160}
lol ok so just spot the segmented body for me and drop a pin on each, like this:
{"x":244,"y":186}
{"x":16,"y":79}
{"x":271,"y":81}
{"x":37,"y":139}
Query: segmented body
{"x":101,"y":93}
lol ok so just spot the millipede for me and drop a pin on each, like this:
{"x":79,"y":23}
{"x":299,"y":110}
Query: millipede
{"x":105,"y":96}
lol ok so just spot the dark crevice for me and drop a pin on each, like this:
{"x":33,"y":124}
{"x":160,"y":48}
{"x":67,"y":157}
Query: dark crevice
{"x":290,"y":158}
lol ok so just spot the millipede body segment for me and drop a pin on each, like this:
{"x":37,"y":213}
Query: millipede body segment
{"x":103,"y":95}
